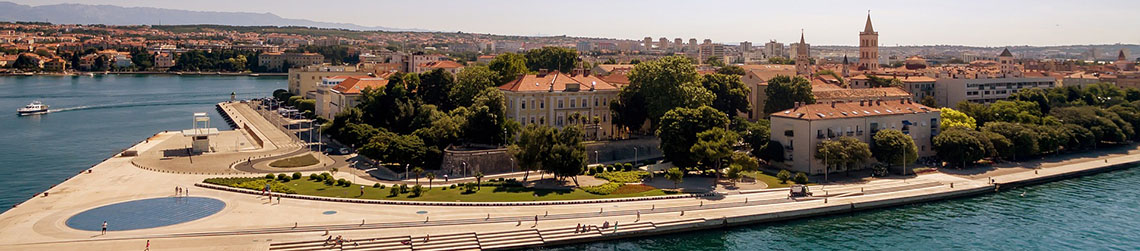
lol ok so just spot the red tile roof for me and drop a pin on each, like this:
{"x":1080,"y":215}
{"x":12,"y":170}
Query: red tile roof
{"x":354,"y":85}
{"x":556,"y":81}
{"x":842,"y":110}
{"x":442,"y":64}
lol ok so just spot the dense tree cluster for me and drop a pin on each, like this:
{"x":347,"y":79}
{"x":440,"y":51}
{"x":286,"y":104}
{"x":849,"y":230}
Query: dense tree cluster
{"x":1035,"y":122}
{"x":217,"y":60}
{"x":547,"y":149}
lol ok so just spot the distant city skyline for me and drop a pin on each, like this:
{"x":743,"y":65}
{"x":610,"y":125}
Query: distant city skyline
{"x":968,"y":22}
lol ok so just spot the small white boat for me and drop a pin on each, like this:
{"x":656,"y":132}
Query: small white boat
{"x":34,"y":108}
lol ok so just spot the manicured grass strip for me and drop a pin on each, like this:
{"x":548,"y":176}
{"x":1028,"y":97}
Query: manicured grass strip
{"x":445,"y":193}
{"x":298,"y":161}
{"x":771,"y":180}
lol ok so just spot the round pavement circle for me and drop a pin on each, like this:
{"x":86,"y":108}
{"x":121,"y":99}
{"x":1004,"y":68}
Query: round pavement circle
{"x":146,"y":213}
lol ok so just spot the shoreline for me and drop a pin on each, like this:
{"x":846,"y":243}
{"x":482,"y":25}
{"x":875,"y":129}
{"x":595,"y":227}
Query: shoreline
{"x":723,"y":212}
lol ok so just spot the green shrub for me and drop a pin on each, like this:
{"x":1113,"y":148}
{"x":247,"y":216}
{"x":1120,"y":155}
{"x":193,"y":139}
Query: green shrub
{"x":417,"y":190}
{"x":228,"y":181}
{"x":347,"y":183}
{"x":628,"y":166}
{"x":297,"y":175}
{"x":623,"y":177}
{"x":259,"y":184}
{"x":784,"y":176}
{"x":469,"y":187}
{"x":269,"y":176}
{"x":377,"y":185}
{"x":383,"y":186}
{"x":329,"y":182}
{"x":609,"y":168}
{"x":403,"y":188}
{"x":314,"y":177}
{"x":591,"y":172}
{"x":394,"y":192}
{"x":325,"y":176}
{"x":801,"y":178}
{"x":599,"y":169}
{"x":453,"y":186}
{"x":341,"y":182}
{"x":602,"y":189}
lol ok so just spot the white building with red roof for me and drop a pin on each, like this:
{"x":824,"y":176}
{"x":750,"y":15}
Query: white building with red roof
{"x":340,"y":92}
{"x":560,"y":99}
{"x":801,"y":129}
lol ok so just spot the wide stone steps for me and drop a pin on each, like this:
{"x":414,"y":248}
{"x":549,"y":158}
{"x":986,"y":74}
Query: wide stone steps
{"x":359,"y":244}
{"x":510,"y":239}
{"x":562,"y":234}
{"x":629,"y":228}
{"x":463,"y":241}
{"x":679,"y":223}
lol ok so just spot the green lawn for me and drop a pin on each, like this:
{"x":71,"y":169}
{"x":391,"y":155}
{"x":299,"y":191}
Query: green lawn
{"x":298,"y":161}
{"x":771,"y":180}
{"x":438,"y":193}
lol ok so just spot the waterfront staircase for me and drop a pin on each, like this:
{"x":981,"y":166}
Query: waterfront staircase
{"x":502,"y":240}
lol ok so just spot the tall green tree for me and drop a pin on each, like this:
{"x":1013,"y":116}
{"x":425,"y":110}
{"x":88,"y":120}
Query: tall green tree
{"x":675,"y":175}
{"x":665,"y":84}
{"x":532,"y":147}
{"x":954,"y":119}
{"x":552,"y":58}
{"x":470,"y":82}
{"x":894,"y":147}
{"x":958,"y":147}
{"x":436,"y":87}
{"x":679,"y":129}
{"x":713,"y":146}
{"x":488,"y":122}
{"x":567,"y":158}
{"x":507,"y":67}
{"x":783,"y":92}
{"x":731,"y":93}
{"x":731,"y":70}
{"x":1023,"y":139}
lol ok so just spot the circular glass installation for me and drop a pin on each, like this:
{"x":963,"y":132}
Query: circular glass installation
{"x":329,"y":212}
{"x":421,"y":212}
{"x":146,"y":213}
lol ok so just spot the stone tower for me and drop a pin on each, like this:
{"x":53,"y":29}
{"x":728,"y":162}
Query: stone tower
{"x":1008,"y":69}
{"x":803,"y":63}
{"x":868,"y":47}
{"x":846,"y":71}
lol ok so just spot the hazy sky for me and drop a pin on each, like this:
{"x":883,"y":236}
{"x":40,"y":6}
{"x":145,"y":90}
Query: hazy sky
{"x":958,"y":22}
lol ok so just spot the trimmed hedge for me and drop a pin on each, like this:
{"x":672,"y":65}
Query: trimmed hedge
{"x":624,"y":176}
{"x":603,"y":189}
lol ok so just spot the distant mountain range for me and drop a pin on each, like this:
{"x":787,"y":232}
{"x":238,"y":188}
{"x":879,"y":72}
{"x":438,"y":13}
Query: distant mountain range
{"x":117,"y":15}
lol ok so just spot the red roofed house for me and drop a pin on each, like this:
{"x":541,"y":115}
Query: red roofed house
{"x":803,"y":127}
{"x":346,"y":93}
{"x":559,"y":99}
{"x":447,"y":65}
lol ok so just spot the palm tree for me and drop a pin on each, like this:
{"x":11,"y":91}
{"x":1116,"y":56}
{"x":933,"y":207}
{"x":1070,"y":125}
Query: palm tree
{"x":430,"y":177}
{"x":418,"y":171}
{"x":478,"y":178}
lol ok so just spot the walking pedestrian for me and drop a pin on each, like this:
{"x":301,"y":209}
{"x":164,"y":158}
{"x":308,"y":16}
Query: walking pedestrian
{"x":638,"y":216}
{"x":579,"y":226}
{"x":104,"y":232}
{"x":361,"y":190}
{"x":278,"y":199}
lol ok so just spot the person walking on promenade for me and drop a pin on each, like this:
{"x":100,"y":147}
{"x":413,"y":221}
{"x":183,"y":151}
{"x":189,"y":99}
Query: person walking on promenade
{"x":361,"y":190}
{"x":278,"y":199}
{"x":104,"y":232}
{"x":148,"y":245}
{"x":638,"y":216}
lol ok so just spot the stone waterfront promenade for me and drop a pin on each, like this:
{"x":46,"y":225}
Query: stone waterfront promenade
{"x":252,"y":222}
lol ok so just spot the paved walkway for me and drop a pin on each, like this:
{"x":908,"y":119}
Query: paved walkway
{"x":251,"y":222}
{"x":169,"y":152}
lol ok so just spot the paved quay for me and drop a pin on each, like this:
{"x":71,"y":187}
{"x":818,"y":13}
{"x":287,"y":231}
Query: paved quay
{"x":252,"y":222}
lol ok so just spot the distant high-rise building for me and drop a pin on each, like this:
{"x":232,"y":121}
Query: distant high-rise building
{"x":868,"y":47}
{"x":773,"y":49}
{"x":709,"y":50}
{"x":1008,"y":66}
{"x":692,"y":45}
{"x":648,"y":42}
{"x":745,"y":46}
{"x":663,"y":43}
{"x":584,"y":46}
{"x":678,"y":44}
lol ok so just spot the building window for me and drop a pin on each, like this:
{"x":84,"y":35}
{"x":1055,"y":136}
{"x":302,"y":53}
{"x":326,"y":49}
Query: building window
{"x":572,"y":103}
{"x":541,"y":104}
{"x":560,"y":103}
{"x":584,"y":103}
{"x":523,"y":104}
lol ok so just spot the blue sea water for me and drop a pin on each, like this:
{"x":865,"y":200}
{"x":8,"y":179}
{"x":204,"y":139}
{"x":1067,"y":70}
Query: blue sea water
{"x":1098,"y":212}
{"x":96,"y":117}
